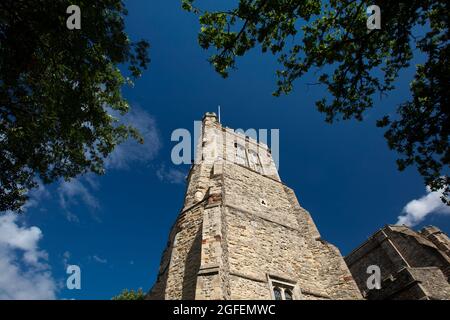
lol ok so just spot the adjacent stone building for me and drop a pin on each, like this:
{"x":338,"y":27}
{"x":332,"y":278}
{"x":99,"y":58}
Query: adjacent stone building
{"x":242,"y":234}
{"x":413,"y":265}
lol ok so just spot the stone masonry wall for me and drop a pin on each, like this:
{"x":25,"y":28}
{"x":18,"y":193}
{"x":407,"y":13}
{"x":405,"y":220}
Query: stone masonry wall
{"x":239,"y":228}
{"x":439,"y":238}
{"x":277,"y":239}
{"x":181,"y":260}
{"x":379,"y":251}
{"x":412,"y":266}
{"x":418,"y":251}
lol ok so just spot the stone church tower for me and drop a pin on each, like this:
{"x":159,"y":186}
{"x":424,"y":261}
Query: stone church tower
{"x":242,"y":234}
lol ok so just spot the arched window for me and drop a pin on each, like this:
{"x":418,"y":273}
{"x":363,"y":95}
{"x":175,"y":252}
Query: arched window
{"x":281,"y":289}
{"x":241,"y":157}
{"x":277,"y":293}
{"x":254,"y":161}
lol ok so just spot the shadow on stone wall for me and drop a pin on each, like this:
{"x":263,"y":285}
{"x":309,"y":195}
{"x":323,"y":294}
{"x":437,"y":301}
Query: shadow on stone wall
{"x":192,"y":266}
{"x":157,"y":292}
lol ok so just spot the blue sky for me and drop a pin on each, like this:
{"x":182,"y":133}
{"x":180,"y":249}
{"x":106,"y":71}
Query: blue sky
{"x":115,"y":227}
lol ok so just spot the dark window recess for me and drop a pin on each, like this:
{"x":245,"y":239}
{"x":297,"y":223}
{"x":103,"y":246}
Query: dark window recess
{"x":277,"y":293}
{"x":287,"y":295}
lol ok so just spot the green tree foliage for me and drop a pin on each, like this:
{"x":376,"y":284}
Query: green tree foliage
{"x":130,"y":295}
{"x":331,"y":39}
{"x":58,"y":88}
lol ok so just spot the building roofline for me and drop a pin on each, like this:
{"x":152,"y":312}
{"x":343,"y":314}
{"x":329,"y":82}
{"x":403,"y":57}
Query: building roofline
{"x":369,"y":239}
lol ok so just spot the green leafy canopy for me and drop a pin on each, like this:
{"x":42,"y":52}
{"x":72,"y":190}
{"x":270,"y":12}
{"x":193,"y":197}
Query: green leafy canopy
{"x":130,"y":295}
{"x":332,"y":39}
{"x":58,"y":88}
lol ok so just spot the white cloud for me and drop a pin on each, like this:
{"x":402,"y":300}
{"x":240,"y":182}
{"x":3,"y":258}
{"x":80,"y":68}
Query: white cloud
{"x":171,"y":175}
{"x":131,"y":151}
{"x":124,"y":155}
{"x":36,"y":196}
{"x":82,"y":189}
{"x":417,"y":210}
{"x":99,"y":260}
{"x":24,"y":272}
{"x":70,"y":192}
{"x":65,"y":258}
